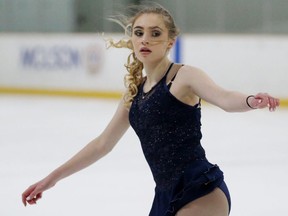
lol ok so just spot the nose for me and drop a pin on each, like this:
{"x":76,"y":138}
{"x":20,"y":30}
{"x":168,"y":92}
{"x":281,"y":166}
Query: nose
{"x":145,"y":42}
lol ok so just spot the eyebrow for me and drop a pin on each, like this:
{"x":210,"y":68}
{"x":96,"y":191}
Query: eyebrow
{"x":152,"y":27}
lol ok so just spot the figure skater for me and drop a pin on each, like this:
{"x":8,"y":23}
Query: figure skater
{"x":164,"y":108}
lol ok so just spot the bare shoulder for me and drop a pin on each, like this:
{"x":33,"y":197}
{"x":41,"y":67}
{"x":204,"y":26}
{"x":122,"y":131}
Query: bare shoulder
{"x":191,"y":75}
{"x":189,"y":70}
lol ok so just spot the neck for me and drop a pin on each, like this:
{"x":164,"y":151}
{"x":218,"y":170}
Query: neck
{"x":155,"y":71}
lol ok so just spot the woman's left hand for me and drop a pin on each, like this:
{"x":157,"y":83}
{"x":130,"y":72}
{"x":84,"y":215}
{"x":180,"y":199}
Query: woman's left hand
{"x":263,"y":100}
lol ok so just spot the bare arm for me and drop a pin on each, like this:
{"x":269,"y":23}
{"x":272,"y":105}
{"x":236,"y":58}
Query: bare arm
{"x":231,"y":101}
{"x":92,"y":152}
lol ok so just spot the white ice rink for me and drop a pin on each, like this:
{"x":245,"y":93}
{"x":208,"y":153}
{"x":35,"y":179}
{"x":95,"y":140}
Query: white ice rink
{"x":40,"y":133}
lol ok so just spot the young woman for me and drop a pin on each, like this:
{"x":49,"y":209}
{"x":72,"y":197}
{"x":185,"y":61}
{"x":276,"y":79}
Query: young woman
{"x":164,"y":109}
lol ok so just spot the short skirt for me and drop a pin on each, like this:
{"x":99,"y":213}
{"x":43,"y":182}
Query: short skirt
{"x":198,"y":179}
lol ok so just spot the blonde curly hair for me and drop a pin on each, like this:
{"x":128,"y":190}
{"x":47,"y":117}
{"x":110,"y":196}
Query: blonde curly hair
{"x":134,"y":67}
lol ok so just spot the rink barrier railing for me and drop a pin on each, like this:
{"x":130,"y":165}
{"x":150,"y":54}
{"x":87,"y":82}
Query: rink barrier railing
{"x":87,"y":94}
{"x":61,"y":92}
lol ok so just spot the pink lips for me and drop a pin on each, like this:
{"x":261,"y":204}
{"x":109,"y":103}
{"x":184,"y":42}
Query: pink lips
{"x":145,"y":50}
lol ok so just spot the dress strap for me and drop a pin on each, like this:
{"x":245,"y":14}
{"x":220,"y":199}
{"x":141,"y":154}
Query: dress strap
{"x":199,"y":102}
{"x":167,"y":72}
{"x":171,"y":81}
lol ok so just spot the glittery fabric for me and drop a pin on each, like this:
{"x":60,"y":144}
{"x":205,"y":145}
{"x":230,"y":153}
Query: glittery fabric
{"x":170,"y":134}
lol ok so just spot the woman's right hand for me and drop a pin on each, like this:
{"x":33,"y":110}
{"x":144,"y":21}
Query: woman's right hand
{"x":32,"y":194}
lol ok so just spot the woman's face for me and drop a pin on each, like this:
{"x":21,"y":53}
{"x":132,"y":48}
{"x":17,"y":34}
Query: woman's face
{"x":150,"y":38}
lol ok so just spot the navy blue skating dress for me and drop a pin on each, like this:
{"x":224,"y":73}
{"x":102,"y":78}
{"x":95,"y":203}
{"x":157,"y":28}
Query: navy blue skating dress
{"x":170,"y":133}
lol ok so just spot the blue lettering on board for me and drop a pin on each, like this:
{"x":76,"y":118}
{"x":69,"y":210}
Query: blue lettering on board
{"x":50,"y":58}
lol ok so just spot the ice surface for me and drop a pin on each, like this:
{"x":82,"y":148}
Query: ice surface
{"x":40,"y":133}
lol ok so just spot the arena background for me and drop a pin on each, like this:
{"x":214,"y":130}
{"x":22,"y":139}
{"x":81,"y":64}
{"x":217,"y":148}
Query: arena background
{"x":58,"y":47}
{"x":59,"y":87}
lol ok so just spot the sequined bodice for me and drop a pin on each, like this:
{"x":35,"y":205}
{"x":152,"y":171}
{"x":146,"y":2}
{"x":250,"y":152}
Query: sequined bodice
{"x":169,"y":132}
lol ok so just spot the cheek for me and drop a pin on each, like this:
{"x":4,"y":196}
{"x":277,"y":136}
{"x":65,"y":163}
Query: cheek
{"x":135,"y":42}
{"x":164,"y":48}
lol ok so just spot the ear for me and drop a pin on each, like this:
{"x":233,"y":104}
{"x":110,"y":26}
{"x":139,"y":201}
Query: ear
{"x":171,"y":43}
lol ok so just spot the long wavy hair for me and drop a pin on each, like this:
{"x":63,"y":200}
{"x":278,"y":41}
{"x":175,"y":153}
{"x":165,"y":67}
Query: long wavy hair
{"x":134,"y":67}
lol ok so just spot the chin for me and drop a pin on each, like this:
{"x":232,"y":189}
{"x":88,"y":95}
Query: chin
{"x":144,"y":59}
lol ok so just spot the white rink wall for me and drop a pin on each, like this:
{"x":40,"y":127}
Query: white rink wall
{"x":249,"y":63}
{"x":80,"y":62}
{"x":61,"y":62}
